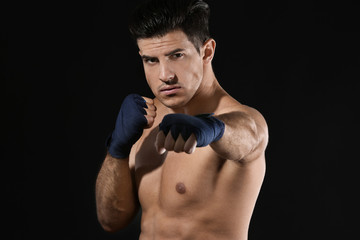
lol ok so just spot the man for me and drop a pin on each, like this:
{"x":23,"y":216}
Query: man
{"x":193,"y":157}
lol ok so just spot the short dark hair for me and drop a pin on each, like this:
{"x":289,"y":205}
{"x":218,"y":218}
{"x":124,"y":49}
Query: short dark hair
{"x":156,"y":18}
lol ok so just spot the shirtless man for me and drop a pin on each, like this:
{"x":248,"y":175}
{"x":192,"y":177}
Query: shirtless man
{"x":195,"y":175}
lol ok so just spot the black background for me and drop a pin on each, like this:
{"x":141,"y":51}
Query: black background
{"x":68,"y":65}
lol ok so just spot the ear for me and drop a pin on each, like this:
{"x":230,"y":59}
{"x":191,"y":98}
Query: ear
{"x":209,"y":50}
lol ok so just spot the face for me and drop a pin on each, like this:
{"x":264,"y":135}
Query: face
{"x":173,"y":68}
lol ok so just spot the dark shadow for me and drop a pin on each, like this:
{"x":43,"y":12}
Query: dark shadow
{"x":147,"y":159}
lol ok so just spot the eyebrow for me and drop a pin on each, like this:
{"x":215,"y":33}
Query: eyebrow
{"x":167,"y":54}
{"x":174,"y":51}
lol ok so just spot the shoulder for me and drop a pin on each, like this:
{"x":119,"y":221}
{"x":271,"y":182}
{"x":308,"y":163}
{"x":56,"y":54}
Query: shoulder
{"x":228,"y":104}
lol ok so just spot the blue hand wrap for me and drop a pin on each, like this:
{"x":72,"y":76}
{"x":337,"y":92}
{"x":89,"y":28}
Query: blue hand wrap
{"x":128,"y":127}
{"x":206,"y":128}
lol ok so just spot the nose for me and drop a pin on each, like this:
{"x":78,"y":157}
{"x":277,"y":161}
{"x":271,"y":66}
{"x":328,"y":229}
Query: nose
{"x":165,"y":74}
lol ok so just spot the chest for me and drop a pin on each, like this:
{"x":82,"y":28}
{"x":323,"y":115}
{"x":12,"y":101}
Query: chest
{"x":173,"y":180}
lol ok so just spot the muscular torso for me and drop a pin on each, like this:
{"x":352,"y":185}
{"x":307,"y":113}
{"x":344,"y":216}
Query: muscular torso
{"x":193,"y":196}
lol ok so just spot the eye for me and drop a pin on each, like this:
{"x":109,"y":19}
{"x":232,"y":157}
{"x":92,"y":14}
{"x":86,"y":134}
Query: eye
{"x":177,"y":55}
{"x":150,"y":60}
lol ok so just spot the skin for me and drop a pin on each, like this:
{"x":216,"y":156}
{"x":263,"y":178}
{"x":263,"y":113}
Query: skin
{"x":186,"y":192}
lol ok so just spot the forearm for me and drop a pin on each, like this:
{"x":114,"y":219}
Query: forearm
{"x":116,"y":199}
{"x":241,"y":136}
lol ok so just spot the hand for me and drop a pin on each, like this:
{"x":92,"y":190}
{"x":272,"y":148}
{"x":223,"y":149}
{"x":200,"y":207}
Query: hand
{"x":150,"y":112}
{"x":183,"y":133}
{"x":165,"y":143}
{"x":136,"y":113}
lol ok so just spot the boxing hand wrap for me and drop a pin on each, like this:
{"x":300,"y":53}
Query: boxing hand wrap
{"x":128,"y":127}
{"x":207,"y":129}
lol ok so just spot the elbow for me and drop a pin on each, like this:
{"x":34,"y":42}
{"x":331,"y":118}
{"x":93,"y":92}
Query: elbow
{"x":109,"y":228}
{"x":114,"y":222}
{"x":112,"y":226}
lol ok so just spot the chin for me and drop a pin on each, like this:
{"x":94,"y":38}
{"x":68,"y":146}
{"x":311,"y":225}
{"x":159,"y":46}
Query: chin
{"x":173,"y":102}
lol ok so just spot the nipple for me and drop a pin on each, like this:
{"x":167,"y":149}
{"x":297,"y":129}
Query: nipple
{"x":180,"y":188}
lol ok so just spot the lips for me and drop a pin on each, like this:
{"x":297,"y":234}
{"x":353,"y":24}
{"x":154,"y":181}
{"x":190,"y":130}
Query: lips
{"x":170,"y":90}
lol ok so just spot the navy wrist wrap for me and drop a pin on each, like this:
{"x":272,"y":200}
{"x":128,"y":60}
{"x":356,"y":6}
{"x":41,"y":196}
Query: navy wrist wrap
{"x":128,"y":127}
{"x":206,"y":128}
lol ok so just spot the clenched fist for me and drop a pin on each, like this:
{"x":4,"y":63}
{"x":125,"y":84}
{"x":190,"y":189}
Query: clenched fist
{"x":136,"y":113}
{"x":183,"y":133}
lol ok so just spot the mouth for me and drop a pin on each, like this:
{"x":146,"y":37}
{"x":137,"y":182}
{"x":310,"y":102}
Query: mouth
{"x":170,"y":90}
